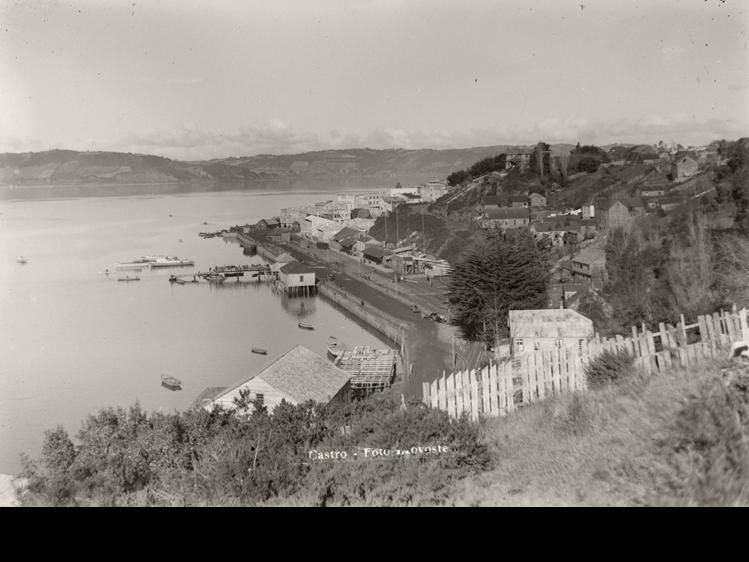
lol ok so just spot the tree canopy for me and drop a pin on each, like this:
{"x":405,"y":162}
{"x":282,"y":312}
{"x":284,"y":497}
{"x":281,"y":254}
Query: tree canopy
{"x":506,"y":272}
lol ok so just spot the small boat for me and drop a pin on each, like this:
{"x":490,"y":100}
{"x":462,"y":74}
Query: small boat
{"x":128,"y":278}
{"x":171,"y":383}
{"x":215,"y":278}
{"x":22,"y":259}
{"x":260,"y":351}
{"x":306,"y":326}
{"x":179,"y":281}
{"x":335,"y":350}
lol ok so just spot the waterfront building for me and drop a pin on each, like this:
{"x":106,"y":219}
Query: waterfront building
{"x":296,"y":376}
{"x":373,"y":255}
{"x":297,"y":279}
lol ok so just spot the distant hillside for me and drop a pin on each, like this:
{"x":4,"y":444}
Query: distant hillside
{"x":334,"y":167}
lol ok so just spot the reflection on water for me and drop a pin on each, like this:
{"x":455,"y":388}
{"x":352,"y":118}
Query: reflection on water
{"x":73,"y":340}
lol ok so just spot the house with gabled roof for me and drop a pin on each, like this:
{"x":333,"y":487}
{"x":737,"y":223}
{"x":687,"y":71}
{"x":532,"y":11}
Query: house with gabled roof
{"x":683,"y":167}
{"x":297,"y":278}
{"x":296,"y":376}
{"x":589,"y":265}
{"x":547,"y":329}
{"x":506,"y":217}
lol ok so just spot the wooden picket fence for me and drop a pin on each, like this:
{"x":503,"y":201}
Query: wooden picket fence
{"x":502,"y":387}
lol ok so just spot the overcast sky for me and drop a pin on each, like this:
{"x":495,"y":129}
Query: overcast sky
{"x":201,"y":79}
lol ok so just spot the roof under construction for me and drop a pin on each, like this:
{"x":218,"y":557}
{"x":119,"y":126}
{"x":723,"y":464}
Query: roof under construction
{"x":370,"y":368}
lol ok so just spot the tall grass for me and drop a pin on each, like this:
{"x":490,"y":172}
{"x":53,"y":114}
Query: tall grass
{"x":676,"y":439}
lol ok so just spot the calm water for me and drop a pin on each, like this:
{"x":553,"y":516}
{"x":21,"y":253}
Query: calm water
{"x":73,"y":340}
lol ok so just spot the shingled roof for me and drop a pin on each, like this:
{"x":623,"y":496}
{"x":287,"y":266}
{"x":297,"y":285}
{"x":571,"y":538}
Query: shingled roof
{"x":301,"y":374}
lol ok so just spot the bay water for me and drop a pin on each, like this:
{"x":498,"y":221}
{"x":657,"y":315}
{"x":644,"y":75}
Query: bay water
{"x":74,"y":340}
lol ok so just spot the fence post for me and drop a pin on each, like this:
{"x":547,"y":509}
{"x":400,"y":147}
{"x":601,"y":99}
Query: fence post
{"x":494,"y":403}
{"x":425,"y":393}
{"x":509,"y":387}
{"x":474,"y":395}
{"x":451,"y":396}
{"x":743,"y":324}
{"x":485,"y":400}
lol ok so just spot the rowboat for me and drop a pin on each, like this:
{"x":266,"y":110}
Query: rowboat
{"x":335,"y":350}
{"x":22,"y":259}
{"x":171,"y":383}
{"x":306,"y":326}
{"x":128,"y":278}
{"x":260,"y":351}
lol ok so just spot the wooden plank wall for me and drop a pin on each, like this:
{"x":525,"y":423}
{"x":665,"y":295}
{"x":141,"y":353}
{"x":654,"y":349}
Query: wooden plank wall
{"x":499,"y":388}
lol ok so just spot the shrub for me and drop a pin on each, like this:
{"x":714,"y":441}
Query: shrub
{"x":609,"y":367}
{"x":707,"y":448}
{"x":129,"y":457}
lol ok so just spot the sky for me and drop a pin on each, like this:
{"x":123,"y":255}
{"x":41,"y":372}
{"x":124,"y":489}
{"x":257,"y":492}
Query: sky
{"x":195,"y":80}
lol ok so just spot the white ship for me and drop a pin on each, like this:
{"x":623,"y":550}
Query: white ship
{"x":171,"y":262}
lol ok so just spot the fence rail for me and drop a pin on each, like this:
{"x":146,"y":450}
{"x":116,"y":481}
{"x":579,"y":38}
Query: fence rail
{"x":500,"y":388}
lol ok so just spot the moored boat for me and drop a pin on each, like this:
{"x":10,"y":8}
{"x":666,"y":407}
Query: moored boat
{"x":259,"y":351}
{"x":306,"y":326}
{"x":22,"y":259}
{"x":215,"y":278}
{"x":128,"y":278}
{"x":335,"y":350}
{"x":171,"y":262}
{"x":171,"y":383}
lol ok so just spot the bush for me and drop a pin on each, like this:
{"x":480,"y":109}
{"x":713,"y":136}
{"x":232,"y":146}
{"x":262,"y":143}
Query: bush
{"x":707,"y":448}
{"x":129,"y":457}
{"x":609,"y":367}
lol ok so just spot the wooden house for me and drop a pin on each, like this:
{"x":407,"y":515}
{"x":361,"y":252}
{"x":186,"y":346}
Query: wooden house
{"x":684,"y":167}
{"x":373,"y":255}
{"x":296,"y":376}
{"x":280,"y":261}
{"x":533,"y":330}
{"x":506,"y":217}
{"x":589,"y":265}
{"x":297,"y":279}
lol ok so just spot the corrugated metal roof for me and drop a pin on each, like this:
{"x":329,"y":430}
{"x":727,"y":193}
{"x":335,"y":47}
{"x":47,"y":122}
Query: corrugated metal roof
{"x":557,"y":323}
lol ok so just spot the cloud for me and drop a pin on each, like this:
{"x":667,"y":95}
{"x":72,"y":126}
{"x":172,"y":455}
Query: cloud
{"x":190,"y":142}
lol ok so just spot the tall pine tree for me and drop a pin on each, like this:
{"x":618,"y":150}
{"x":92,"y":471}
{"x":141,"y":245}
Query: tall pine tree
{"x":505,"y":273}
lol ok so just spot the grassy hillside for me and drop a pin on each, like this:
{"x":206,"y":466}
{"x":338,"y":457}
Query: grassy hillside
{"x":681,"y":438}
{"x":678,"y":439}
{"x":339,"y":167}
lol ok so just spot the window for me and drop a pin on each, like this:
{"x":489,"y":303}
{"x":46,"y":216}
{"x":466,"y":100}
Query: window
{"x":536,"y":346}
{"x":519,"y":345}
{"x":260,"y":399}
{"x":301,"y":278}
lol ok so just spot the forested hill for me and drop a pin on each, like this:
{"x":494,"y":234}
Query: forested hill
{"x":338,"y":167}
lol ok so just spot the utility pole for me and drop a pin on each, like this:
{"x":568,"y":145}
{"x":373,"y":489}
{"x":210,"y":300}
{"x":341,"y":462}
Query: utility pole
{"x":397,"y":234}
{"x":423,"y":233}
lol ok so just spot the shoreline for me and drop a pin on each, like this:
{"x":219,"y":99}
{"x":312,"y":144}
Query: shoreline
{"x":426,"y":340}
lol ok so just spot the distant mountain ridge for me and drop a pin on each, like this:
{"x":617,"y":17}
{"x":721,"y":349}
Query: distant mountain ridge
{"x":66,"y":167}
